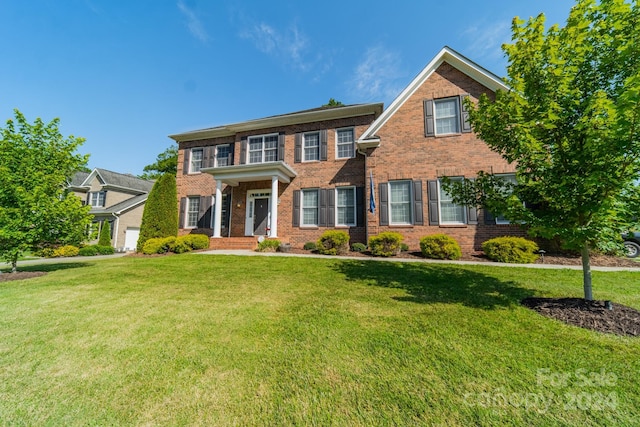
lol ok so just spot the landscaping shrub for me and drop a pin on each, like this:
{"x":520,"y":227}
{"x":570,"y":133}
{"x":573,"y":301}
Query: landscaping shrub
{"x":45,"y":252}
{"x":160,"y":216}
{"x":105,"y":234}
{"x":511,"y":250}
{"x":158,"y":245}
{"x":180,"y":246}
{"x":65,"y":251}
{"x":404,"y":247}
{"x":196,"y":241}
{"x":333,"y":242}
{"x":440,"y":246}
{"x":310,"y":246}
{"x":385,"y":244}
{"x":358,"y":247}
{"x":268,"y":245}
{"x":105,"y":250}
{"x":88,"y":251}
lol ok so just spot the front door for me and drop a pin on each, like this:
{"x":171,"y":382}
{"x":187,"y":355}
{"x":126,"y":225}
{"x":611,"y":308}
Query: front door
{"x":260,"y":216}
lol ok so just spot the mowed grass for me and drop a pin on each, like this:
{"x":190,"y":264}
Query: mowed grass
{"x":223,"y":340}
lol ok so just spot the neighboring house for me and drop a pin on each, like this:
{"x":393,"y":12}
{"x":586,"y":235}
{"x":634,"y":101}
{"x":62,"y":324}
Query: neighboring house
{"x":116,"y":198}
{"x":296,"y":175}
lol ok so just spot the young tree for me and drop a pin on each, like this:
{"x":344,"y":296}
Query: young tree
{"x":36,"y":209}
{"x":105,"y":234}
{"x":160,"y":216}
{"x":166,"y":162}
{"x":571,"y":124}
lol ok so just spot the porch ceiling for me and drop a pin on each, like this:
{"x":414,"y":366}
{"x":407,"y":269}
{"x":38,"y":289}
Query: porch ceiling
{"x":234,"y":175}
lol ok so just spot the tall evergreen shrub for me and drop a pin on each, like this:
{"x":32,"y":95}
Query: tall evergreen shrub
{"x":160,"y":216}
{"x":105,"y":234}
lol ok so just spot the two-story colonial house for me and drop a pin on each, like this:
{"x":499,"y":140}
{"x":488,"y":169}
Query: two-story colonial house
{"x":115,"y":198}
{"x":293,"y":176}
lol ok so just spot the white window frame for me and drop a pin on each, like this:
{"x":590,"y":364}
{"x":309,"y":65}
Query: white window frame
{"x":314,"y":149}
{"x":192,"y":164}
{"x":302,"y":207}
{"x":351,"y":144}
{"x":263,"y":150}
{"x":509,"y":177}
{"x":189,"y":212}
{"x":448,"y":200}
{"x":456,"y":116}
{"x":409,"y":185}
{"x":353,"y":208}
{"x":218,"y":147}
{"x":97,"y":199}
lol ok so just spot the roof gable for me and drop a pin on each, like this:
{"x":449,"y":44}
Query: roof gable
{"x":118,"y":180}
{"x":451,"y":57}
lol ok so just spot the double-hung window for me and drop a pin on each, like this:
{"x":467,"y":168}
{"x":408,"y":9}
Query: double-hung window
{"x":223,"y":154}
{"x":447,"y":116}
{"x":193,"y":210}
{"x":450,"y":213}
{"x":400,"y":202}
{"x":311,"y":146}
{"x":346,"y":206}
{"x":263,"y":149}
{"x":511,"y":179}
{"x":196,"y":160}
{"x":97,"y":199}
{"x":310,"y":205}
{"x":344,"y":143}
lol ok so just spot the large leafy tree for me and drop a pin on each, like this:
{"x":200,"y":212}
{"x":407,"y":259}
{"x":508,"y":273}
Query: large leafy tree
{"x":166,"y":162}
{"x":571,"y":125}
{"x":36,"y":209}
{"x":160,"y":216}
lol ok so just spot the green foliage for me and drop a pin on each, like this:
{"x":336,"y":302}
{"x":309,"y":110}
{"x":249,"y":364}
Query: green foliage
{"x":196,"y":241}
{"x":385,"y":244}
{"x":90,"y":250}
{"x":333,"y":103}
{"x":36,"y":209}
{"x":333,"y":242}
{"x":268,"y":245}
{"x":105,"y":234}
{"x":310,"y":246}
{"x":511,"y":250}
{"x":358,"y":247}
{"x":440,"y":246}
{"x":65,"y":251}
{"x":105,"y":250}
{"x":160,"y":216}
{"x":404,"y":247}
{"x":166,"y":162}
{"x":180,"y":246}
{"x":158,"y":245}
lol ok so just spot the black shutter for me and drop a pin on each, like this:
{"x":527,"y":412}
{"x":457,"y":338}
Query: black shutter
{"x":104,"y":199}
{"x":185,"y":161}
{"x":88,"y":199}
{"x":232,"y":148}
{"x":360,"y":206}
{"x":323,"y":145}
{"x":384,"y":203}
{"x":208,"y":156}
{"x":465,"y":126}
{"x":418,"y":216}
{"x":183,"y":206}
{"x":429,"y":123}
{"x":281,"y":147}
{"x":243,"y":150}
{"x":298,"y":148}
{"x":331,"y":207}
{"x":226,"y":221}
{"x":489,"y":218}
{"x":204,"y":215}
{"x":432,"y":193}
{"x":296,"y":208}
{"x":322,"y":220}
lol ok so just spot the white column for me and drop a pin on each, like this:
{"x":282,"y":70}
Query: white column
{"x":217,"y":219}
{"x":274,"y":207}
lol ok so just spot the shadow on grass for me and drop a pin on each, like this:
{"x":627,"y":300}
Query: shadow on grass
{"x":427,"y":284}
{"x":48,"y":267}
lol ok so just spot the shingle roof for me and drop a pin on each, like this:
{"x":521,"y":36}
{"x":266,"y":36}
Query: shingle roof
{"x":124,"y":180}
{"x":78,"y":179}
{"x":120,"y":207}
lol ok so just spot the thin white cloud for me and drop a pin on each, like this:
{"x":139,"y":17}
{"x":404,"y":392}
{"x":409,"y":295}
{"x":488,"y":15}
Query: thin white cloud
{"x":376,"y":76}
{"x":485,"y":41}
{"x":193,"y":22}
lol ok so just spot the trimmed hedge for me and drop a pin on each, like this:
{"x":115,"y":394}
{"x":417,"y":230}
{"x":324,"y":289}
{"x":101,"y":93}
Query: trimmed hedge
{"x":333,"y":242}
{"x":511,"y":249}
{"x":268,"y":245}
{"x":65,"y":251}
{"x":385,"y":244}
{"x":158,"y":245}
{"x":440,"y":246}
{"x":178,"y":245}
{"x":358,"y":247}
{"x":310,"y":246}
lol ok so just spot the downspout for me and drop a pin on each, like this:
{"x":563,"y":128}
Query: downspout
{"x":364,"y":205}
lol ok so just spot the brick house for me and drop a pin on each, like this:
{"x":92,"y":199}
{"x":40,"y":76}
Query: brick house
{"x":321,"y":164}
{"x":115,"y":198}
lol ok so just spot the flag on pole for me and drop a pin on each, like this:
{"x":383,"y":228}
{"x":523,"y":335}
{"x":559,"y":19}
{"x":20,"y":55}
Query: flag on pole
{"x":372,"y":197}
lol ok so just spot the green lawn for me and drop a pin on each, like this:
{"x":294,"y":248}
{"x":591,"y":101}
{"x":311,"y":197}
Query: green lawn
{"x":223,"y":340}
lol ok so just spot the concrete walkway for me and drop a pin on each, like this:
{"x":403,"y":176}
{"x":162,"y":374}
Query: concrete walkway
{"x":425,"y":261}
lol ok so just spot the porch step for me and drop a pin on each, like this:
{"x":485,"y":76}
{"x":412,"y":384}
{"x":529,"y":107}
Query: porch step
{"x":248,"y":243}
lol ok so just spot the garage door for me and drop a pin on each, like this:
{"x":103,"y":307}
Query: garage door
{"x":131,"y":238}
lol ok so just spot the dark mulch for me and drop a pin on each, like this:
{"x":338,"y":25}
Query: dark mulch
{"x":21,"y":275}
{"x":622,"y":320}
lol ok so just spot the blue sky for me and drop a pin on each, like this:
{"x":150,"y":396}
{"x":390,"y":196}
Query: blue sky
{"x":125,"y":74}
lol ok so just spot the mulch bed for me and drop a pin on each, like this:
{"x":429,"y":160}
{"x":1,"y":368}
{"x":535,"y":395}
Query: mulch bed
{"x":21,"y":275}
{"x":621,"y":320}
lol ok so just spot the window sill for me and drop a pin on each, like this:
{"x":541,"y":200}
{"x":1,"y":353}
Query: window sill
{"x":309,"y":227}
{"x":401,"y":225}
{"x":454,"y":225}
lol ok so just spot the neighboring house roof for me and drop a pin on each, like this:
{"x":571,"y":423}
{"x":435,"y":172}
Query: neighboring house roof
{"x":121,"y":207}
{"x":78,"y":179}
{"x":110,"y":179}
{"x":451,"y":57}
{"x":299,"y":117}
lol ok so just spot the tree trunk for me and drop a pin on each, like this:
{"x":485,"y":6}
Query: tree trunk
{"x":14,"y":266}
{"x":586,"y":273}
